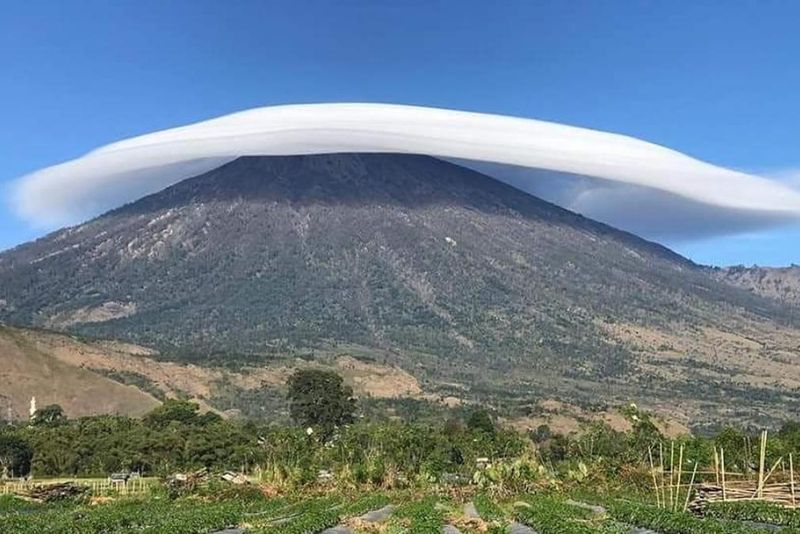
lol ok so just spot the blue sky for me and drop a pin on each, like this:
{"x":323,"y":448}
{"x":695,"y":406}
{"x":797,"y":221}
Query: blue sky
{"x":716,"y":80}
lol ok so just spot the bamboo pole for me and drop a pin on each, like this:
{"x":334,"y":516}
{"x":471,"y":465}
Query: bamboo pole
{"x":671,"y":471}
{"x":716,"y":465}
{"x":747,"y":462}
{"x":791,"y":477}
{"x":653,"y":474}
{"x":761,"y":458}
{"x":722,"y":463}
{"x":689,"y":489}
{"x":680,"y":474}
{"x":759,"y":493}
{"x":661,"y":467}
{"x":772,"y":470}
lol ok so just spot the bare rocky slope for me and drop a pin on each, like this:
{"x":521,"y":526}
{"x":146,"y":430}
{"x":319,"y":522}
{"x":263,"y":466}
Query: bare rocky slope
{"x":779,"y":283}
{"x":478,"y":290}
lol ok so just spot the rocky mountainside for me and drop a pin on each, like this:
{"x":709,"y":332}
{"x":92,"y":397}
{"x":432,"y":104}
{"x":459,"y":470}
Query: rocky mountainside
{"x":481,"y":291}
{"x":781,"y":284}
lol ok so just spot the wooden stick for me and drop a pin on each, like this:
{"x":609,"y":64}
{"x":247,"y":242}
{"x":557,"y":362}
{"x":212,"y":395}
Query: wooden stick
{"x":716,"y":465}
{"x":763,"y":483}
{"x":722,"y":462}
{"x":747,"y":462}
{"x":680,"y":473}
{"x":772,"y":470}
{"x":653,"y":474}
{"x":791,"y":477}
{"x":661,"y":467}
{"x":689,"y":489}
{"x":671,"y":470}
{"x":762,"y":454}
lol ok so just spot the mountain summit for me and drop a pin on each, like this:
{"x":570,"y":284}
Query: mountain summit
{"x":480,"y":290}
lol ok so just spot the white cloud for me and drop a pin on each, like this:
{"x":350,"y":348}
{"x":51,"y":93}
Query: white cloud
{"x":791,"y":177}
{"x":631,"y":183}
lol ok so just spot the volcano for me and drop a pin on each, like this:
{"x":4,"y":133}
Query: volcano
{"x":478,"y":289}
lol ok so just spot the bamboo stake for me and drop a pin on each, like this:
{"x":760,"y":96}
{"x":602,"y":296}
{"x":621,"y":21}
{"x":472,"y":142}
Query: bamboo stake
{"x":689,"y":489}
{"x":680,"y":473}
{"x":762,"y":454}
{"x":747,"y":461}
{"x":671,"y":470}
{"x":763,"y":483}
{"x":722,"y":462}
{"x":661,"y":467}
{"x":772,"y":470}
{"x":653,"y":473}
{"x":716,"y":465}
{"x":791,"y":477}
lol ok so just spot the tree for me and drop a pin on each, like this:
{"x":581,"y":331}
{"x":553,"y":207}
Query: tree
{"x":320,"y":400}
{"x":481,"y":421}
{"x":182,"y":411}
{"x":15,"y":456}
{"x":50,"y":415}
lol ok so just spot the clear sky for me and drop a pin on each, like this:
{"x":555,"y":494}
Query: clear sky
{"x":716,"y":80}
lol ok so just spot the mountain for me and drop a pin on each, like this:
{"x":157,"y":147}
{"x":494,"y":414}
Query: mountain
{"x":33,"y":365}
{"x":98,"y":377}
{"x":482,"y":292}
{"x":782,"y":284}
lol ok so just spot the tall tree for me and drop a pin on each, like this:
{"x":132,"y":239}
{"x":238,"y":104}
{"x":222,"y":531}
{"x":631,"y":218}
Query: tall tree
{"x":50,"y":415}
{"x":15,"y":455}
{"x":320,"y":400}
{"x":173,"y":410}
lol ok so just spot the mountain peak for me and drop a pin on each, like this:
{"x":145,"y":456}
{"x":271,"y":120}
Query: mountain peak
{"x":440,"y":270}
{"x":398,"y":179}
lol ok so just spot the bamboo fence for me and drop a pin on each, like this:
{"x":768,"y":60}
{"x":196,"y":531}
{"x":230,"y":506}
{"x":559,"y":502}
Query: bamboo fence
{"x":135,"y":486}
{"x":673,"y":491}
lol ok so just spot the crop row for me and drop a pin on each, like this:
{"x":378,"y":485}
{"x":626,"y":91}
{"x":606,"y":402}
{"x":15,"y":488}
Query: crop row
{"x":125,"y":516}
{"x":759,"y":512}
{"x":420,"y":517}
{"x":488,"y":509}
{"x":490,"y":512}
{"x":315,"y":515}
{"x":548,"y":515}
{"x":669,"y":522}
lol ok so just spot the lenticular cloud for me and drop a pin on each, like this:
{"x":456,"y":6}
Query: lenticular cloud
{"x":618,"y":179}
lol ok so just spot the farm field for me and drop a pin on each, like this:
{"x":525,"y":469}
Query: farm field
{"x":177,"y":470}
{"x":250,"y":511}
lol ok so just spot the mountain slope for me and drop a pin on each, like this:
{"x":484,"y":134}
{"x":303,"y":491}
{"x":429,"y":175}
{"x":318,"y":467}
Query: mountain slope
{"x":96,"y":377}
{"x":28,"y":369}
{"x":782,"y":284}
{"x":480,"y":290}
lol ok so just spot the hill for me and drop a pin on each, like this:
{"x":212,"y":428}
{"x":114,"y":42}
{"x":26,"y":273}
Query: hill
{"x":782,"y":284}
{"x":480,"y":291}
{"x":29,"y":369}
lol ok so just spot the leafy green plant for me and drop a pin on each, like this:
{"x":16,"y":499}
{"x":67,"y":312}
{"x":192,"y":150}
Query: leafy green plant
{"x":548,"y":515}
{"x":421,"y":517}
{"x":669,"y":522}
{"x":760,"y":512}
